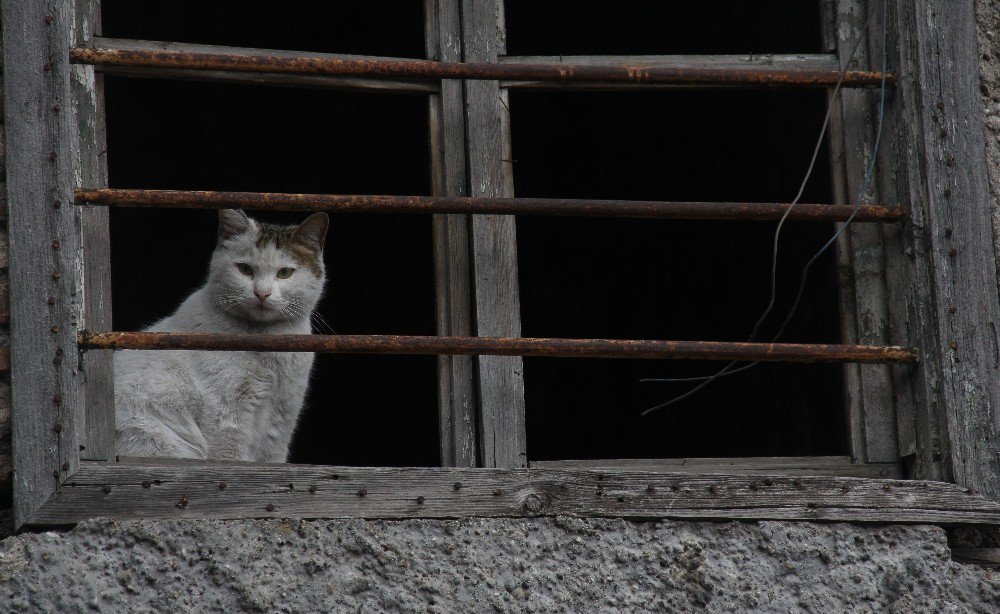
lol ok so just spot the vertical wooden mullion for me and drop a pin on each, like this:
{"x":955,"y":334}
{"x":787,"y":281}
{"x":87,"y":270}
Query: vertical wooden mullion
{"x":98,"y":414}
{"x":496,"y":304}
{"x":919,"y":398}
{"x":861,"y":246}
{"x":845,"y":272}
{"x":456,"y":394}
{"x":887,"y":186}
{"x":949,"y":305}
{"x":45,"y":267}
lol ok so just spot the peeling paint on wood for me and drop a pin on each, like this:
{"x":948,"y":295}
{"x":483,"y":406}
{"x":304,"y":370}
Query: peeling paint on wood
{"x":91,"y":170}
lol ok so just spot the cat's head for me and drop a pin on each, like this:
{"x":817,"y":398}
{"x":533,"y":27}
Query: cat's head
{"x":267,"y":272}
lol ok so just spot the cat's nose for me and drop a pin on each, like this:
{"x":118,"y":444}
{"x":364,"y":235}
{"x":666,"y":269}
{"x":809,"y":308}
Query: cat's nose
{"x":262,"y":294}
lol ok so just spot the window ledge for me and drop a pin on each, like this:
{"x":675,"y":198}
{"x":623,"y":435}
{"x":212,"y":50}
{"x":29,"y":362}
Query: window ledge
{"x":199,"y":489}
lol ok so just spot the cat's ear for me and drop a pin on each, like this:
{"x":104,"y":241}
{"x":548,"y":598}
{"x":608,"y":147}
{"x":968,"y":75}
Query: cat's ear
{"x":232,"y":222}
{"x":312,"y":232}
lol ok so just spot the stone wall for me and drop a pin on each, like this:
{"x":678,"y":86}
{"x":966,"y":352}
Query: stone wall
{"x":988,"y":14}
{"x":498,"y":565}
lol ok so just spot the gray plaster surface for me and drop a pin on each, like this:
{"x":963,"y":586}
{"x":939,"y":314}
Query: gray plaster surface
{"x":499,"y":565}
{"x":988,"y":27}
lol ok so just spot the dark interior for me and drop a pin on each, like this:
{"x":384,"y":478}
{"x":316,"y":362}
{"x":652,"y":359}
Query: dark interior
{"x":661,"y":27}
{"x":652,"y":279}
{"x":666,"y":279}
{"x":579,"y":277}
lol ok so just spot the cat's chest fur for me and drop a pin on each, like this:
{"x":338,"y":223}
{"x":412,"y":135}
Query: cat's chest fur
{"x":259,"y":394}
{"x":251,"y":377}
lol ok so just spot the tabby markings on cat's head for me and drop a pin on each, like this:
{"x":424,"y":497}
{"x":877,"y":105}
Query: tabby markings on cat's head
{"x":268,"y":272}
{"x":284,"y":238}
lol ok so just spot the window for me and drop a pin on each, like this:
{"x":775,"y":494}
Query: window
{"x":905,"y":275}
{"x":672,"y":279}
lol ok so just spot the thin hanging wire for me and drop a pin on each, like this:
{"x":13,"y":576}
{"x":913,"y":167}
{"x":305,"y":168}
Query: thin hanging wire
{"x":727,"y":370}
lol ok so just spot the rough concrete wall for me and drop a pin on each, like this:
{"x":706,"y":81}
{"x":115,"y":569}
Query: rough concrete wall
{"x":988,"y":18}
{"x":501,"y":565}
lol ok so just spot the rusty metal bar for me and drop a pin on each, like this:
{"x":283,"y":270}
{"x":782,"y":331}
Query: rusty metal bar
{"x":497,"y":346}
{"x":431,"y":70}
{"x":480,"y":205}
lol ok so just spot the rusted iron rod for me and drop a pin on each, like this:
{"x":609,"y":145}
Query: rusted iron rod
{"x":430,"y":70}
{"x":481,"y":205}
{"x":497,"y":346}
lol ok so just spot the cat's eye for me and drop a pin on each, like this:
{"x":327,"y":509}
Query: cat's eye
{"x":245,"y":268}
{"x":285,"y":273}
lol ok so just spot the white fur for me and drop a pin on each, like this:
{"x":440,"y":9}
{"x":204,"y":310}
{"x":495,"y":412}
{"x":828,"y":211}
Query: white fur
{"x":223,"y":405}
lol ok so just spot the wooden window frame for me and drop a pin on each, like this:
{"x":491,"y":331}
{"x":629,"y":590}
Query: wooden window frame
{"x":913,"y":284}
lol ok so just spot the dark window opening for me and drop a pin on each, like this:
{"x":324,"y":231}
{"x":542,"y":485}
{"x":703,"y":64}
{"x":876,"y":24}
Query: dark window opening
{"x":666,"y":27}
{"x":361,"y":410}
{"x":641,"y":279}
{"x":390,"y":28}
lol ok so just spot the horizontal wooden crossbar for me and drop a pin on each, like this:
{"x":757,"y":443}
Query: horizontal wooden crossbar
{"x":797,"y":61}
{"x":840,"y":466}
{"x":495,"y":346}
{"x":202,"y":489}
{"x":184,"y":199}
{"x":140,"y":56}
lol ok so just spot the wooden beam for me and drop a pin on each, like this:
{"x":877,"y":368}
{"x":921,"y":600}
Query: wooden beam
{"x":845,"y":271}
{"x":255,"y":78}
{"x":45,"y":267}
{"x":90,"y":148}
{"x":185,"y":490}
{"x":496,"y":298}
{"x":452,"y":281}
{"x":802,"y":61}
{"x":873,"y":417}
{"x":842,"y":466}
{"x":909,"y":277}
{"x":952,"y":301}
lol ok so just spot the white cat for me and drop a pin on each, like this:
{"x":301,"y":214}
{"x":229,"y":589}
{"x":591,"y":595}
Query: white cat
{"x":263,"y":279}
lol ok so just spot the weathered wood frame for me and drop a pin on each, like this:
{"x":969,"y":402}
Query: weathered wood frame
{"x":46,"y":242}
{"x":57,"y":286}
{"x":930,"y":282}
{"x":453,"y":283}
{"x":950,"y":308}
{"x":90,"y":149}
{"x":861,"y":267}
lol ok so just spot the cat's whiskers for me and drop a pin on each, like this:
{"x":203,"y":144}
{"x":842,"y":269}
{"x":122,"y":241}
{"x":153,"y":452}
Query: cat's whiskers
{"x":286,"y":311}
{"x":321,"y":323}
{"x":296,"y":307}
{"x":304,"y":309}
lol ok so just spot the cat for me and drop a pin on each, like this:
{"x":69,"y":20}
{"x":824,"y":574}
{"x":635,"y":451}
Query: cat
{"x":263,"y":279}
